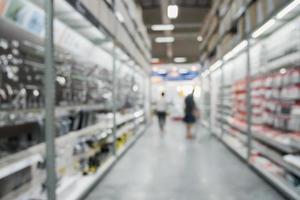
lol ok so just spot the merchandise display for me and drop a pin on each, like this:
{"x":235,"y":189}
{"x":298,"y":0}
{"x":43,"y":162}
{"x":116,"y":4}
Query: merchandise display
{"x":260,"y":86}
{"x":84,"y":120}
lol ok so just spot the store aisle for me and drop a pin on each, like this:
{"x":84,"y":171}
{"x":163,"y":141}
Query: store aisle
{"x":171,"y":168}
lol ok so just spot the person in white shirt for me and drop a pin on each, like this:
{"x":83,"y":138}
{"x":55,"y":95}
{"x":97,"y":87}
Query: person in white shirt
{"x":161,"y":111}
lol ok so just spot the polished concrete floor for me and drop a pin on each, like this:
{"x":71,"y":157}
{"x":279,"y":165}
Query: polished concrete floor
{"x":171,"y":168}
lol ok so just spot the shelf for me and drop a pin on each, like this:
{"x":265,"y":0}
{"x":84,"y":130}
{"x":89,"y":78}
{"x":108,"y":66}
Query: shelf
{"x":236,"y":146}
{"x":217,"y":132}
{"x":287,"y":60}
{"x":277,"y":182}
{"x":240,"y":136}
{"x":38,"y":114}
{"x":39,"y":149}
{"x":83,"y":184}
{"x":275,"y":144}
{"x":125,"y":128}
{"x":131,"y":142}
{"x":277,"y":158}
{"x":295,"y":144}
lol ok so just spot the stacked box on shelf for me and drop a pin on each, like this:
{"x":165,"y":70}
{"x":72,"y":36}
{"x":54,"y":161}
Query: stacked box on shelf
{"x":240,"y":100}
{"x":258,"y":100}
{"x":277,"y":93}
{"x":281,"y":96}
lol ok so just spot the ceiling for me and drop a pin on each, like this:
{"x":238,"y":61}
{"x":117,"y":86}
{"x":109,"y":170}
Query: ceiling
{"x":187,"y":27}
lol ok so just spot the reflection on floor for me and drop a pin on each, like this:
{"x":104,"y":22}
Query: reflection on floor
{"x":172,"y":168}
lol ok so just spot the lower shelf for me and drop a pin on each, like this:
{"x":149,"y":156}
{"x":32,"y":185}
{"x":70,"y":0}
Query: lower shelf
{"x":277,"y":182}
{"x":82,"y":185}
{"x":241,"y":151}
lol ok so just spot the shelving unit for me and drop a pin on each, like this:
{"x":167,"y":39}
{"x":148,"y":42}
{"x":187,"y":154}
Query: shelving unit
{"x":258,"y":99}
{"x":87,"y":141}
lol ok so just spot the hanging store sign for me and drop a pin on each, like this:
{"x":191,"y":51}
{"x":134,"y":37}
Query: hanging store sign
{"x":175,"y":76}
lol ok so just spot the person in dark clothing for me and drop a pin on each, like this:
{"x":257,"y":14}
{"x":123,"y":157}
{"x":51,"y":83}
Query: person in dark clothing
{"x":190,"y":116}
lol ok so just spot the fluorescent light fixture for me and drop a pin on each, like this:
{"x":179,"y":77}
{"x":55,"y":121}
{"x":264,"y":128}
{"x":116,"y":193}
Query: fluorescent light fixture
{"x":242,"y":45}
{"x":120,"y":17}
{"x":172,"y":11}
{"x":216,"y":65}
{"x":288,"y":9}
{"x":263,"y":28}
{"x":180,"y":59}
{"x":200,"y":38}
{"x":162,"y":27}
{"x":164,"y":39}
{"x":155,"y":60}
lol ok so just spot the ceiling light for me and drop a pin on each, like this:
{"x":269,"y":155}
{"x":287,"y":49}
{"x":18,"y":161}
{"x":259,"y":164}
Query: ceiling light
{"x":155,"y":60}
{"x":288,"y":9}
{"x":263,"y":28}
{"x":162,"y":27}
{"x":200,"y":38}
{"x":36,"y":93}
{"x":172,"y":11}
{"x":164,"y":39}
{"x":120,"y":17}
{"x":236,"y":50}
{"x":180,"y":59}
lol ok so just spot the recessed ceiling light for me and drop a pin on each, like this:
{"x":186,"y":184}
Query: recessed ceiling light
{"x":172,"y":11}
{"x":162,"y":27}
{"x":180,"y":59}
{"x":155,"y":60}
{"x":200,"y":38}
{"x":164,"y":39}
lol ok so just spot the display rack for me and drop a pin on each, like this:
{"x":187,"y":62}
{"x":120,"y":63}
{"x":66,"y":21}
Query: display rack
{"x":86,"y":136}
{"x":257,"y":109}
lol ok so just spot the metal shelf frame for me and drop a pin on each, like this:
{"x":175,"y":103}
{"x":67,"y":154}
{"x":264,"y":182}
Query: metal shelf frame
{"x":253,"y":140}
{"x":51,"y":111}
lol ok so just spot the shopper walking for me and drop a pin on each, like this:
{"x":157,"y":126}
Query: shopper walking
{"x":161,"y":111}
{"x":191,"y":114}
